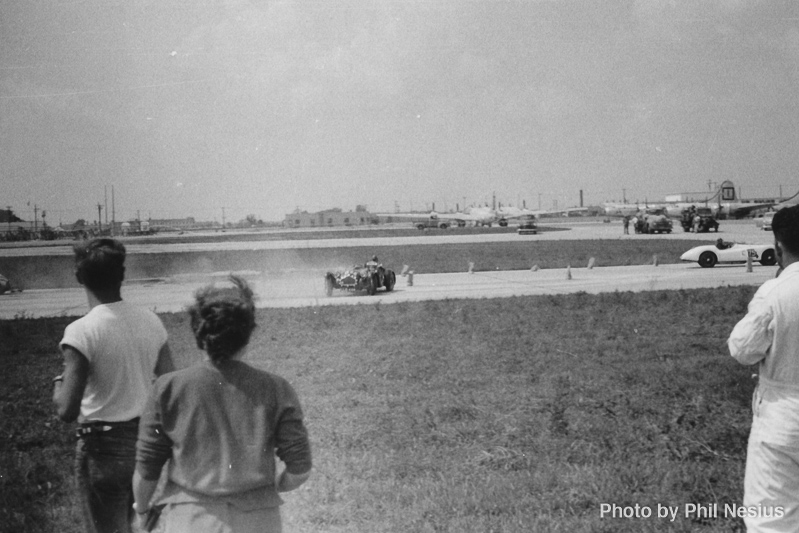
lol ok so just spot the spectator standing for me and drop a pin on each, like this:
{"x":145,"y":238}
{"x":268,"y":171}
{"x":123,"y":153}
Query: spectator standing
{"x":221,"y":422}
{"x":626,"y":223}
{"x":111,"y":357}
{"x":769,"y":336}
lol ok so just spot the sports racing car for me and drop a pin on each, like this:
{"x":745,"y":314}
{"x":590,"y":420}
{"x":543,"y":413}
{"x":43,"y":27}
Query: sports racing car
{"x":727,"y":252}
{"x":370,"y":277}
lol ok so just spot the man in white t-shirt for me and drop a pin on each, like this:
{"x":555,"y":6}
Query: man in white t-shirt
{"x":111,"y":358}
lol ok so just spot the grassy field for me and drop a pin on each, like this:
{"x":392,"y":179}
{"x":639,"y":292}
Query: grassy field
{"x":507,"y":415}
{"x":56,"y":271}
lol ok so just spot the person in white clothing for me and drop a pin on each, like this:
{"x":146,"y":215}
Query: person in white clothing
{"x":769,"y":336}
{"x":112,"y":355}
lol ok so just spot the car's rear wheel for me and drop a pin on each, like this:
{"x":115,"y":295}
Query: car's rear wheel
{"x":390,"y":280}
{"x":708,"y":260}
{"x":769,"y":258}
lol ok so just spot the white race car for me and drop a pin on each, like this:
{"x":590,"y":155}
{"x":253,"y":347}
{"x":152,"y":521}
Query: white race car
{"x":728,"y":252}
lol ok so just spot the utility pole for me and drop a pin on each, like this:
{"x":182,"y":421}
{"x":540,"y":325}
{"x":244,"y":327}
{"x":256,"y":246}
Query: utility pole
{"x":35,"y":218}
{"x":105,"y":202}
{"x":8,"y":208}
{"x":100,"y":217}
{"x":223,"y":218}
{"x":113,"y":212}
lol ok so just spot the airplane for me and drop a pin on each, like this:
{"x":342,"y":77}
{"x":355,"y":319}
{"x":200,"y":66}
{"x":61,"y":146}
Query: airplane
{"x":477,"y":215}
{"x":788,"y":202}
{"x":724,"y":203}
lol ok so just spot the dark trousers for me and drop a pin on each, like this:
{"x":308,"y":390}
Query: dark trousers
{"x":104,"y":466}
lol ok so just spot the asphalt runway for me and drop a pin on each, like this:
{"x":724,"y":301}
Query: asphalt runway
{"x":298,"y":291}
{"x":743,"y":231}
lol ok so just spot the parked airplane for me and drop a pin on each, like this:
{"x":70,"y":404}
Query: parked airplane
{"x":479,"y":216}
{"x":724,"y":203}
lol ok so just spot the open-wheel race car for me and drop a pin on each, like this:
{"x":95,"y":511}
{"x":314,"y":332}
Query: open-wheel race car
{"x":726,"y":252}
{"x":369,"y":277}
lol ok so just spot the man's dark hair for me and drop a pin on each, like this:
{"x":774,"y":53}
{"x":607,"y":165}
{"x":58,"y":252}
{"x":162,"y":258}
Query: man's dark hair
{"x":100,"y":264}
{"x":785,"y":226}
{"x":222,"y":319}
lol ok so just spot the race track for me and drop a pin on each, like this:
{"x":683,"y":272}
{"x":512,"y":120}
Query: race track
{"x":298,"y":291}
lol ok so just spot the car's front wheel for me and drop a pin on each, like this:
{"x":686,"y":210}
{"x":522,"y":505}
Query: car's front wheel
{"x":371,"y":287}
{"x":769,"y":258}
{"x":708,"y":260}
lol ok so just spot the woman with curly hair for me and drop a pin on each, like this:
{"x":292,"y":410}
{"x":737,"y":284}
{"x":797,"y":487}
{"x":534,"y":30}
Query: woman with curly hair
{"x":221,"y":423}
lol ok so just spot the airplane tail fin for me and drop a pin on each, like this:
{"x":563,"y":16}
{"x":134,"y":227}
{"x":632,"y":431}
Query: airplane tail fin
{"x":727,"y":192}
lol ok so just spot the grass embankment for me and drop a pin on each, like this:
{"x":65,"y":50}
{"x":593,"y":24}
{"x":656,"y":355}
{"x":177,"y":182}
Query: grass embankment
{"x":515,"y":415}
{"x":56,"y":271}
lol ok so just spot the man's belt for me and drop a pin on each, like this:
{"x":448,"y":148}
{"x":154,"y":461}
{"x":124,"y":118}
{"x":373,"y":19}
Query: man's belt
{"x":101,"y":427}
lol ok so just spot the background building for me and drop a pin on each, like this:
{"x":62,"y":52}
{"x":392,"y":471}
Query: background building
{"x":329,"y":218}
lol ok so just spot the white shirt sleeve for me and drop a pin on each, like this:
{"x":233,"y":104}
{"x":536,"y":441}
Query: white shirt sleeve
{"x":752,"y":336}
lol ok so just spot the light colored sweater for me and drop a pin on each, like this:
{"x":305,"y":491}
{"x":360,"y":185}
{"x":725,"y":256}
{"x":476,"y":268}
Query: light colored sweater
{"x":222,"y":427}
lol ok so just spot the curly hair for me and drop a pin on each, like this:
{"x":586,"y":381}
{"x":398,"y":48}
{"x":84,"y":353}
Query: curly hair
{"x":223,"y":318}
{"x":100,"y":263}
{"x":785,"y":226}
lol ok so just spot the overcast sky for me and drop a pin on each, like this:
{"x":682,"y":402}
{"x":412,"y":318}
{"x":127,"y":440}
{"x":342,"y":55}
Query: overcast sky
{"x":199,"y":107}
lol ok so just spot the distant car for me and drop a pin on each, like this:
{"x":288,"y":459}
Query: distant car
{"x":767,"y":218}
{"x":527,"y":225}
{"x":710,"y":254}
{"x":706,"y":220}
{"x":653,"y":221}
{"x":368,"y":277}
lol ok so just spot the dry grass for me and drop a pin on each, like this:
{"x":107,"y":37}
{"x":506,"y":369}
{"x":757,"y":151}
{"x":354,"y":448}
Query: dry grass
{"x":519,"y":414}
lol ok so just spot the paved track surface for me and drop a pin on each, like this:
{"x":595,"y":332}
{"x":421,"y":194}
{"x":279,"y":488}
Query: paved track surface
{"x":172,"y":295}
{"x":294,"y":291}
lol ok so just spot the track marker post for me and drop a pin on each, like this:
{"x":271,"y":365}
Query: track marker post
{"x":568,"y":272}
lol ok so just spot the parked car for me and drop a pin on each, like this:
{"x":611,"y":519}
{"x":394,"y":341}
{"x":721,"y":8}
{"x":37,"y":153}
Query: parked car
{"x":706,"y":220}
{"x":710,"y":255}
{"x":767,"y":218}
{"x":5,"y":285}
{"x":527,"y":225}
{"x":653,"y":221}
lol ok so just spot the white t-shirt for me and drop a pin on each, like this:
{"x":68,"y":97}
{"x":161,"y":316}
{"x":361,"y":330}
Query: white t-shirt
{"x":121,"y":343}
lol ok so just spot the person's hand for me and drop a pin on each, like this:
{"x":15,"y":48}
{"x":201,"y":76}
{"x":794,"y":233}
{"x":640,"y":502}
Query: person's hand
{"x":141,"y":518}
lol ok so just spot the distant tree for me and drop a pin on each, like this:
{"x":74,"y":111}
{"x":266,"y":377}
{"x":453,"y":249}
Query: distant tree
{"x":360,"y":209}
{"x":7,"y":215}
{"x":79,"y":223}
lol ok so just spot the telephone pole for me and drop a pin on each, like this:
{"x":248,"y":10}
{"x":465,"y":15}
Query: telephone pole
{"x":223,"y":218}
{"x":35,"y":218}
{"x":99,"y":217}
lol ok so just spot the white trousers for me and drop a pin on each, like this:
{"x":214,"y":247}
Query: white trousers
{"x":771,"y":482}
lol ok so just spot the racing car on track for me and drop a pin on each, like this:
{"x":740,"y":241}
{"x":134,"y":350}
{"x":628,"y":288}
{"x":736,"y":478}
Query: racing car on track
{"x":728,"y":252}
{"x":369,"y":277}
